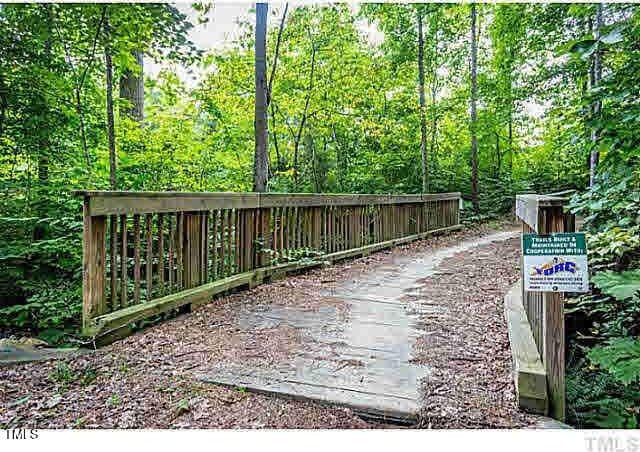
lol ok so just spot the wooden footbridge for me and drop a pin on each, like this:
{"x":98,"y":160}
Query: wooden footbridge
{"x":150,"y":253}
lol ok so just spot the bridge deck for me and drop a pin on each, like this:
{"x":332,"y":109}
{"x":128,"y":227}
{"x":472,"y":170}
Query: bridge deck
{"x":358,"y":350}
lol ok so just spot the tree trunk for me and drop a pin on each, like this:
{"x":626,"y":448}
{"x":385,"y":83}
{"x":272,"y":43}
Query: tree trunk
{"x":261,"y":156}
{"x":474,"y":116}
{"x":597,"y":106}
{"x":111,"y":136}
{"x":39,"y":230}
{"x":277,"y":52}
{"x":132,"y":90}
{"x":303,"y":121}
{"x":423,"y":119}
{"x":433,"y":153}
{"x":280,"y":166}
{"x":511,"y":138}
{"x":498,"y":166}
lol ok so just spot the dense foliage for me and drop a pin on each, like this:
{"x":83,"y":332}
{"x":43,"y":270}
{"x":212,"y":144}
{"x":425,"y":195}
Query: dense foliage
{"x":344,"y":116}
{"x":604,"y":373}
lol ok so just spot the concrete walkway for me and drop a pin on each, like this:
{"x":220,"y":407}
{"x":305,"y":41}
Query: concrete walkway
{"x":357,"y":352}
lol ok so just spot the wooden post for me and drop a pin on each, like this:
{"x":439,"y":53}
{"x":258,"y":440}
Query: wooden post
{"x":136,"y":259}
{"x":191,"y":249}
{"x":93,"y":265}
{"x":148,"y":227}
{"x":553,"y":334}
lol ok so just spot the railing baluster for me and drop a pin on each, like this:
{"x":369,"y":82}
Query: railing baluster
{"x":172,"y":241}
{"x":161,"y":288}
{"x":113,"y":261}
{"x":136,"y":259}
{"x":214,"y":244}
{"x":223,"y":225}
{"x":180,"y":250}
{"x":149,"y":256}
{"x":124,"y":258}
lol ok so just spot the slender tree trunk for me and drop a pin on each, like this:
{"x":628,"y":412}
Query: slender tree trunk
{"x":111,"y":135}
{"x":597,"y":106}
{"x":296,"y":144}
{"x":498,"y":166}
{"x":277,"y":52}
{"x":434,"y":112}
{"x":4,"y":102}
{"x":132,"y":90}
{"x":43,"y":151}
{"x":423,"y":119}
{"x":261,"y":156}
{"x":39,"y":230}
{"x":342,"y":167}
{"x":511,"y":138}
{"x":314,"y":170}
{"x":279,"y":160}
{"x":474,"y":116}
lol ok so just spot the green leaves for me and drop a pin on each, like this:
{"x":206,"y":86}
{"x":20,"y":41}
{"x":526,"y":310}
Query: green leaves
{"x":620,"y":357}
{"x":621,"y":285}
{"x":586,"y":47}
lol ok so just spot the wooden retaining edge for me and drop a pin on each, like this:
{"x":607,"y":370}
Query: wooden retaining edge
{"x":529,"y":374}
{"x":112,"y":322}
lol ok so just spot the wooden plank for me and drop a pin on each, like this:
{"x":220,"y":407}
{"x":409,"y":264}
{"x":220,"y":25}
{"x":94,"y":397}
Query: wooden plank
{"x":191,"y":249}
{"x":146,"y":202}
{"x":247,"y":242}
{"x":149,"y":255}
{"x":113,"y":262}
{"x":282,"y":218}
{"x":104,"y":324}
{"x":223,"y":241}
{"x":179,"y":250}
{"x":554,"y":331}
{"x":136,"y":259}
{"x":214,"y":245}
{"x":117,"y":202}
{"x":317,"y":225}
{"x":161,"y":288}
{"x":265,"y":224}
{"x":93,"y":265}
{"x":204,"y":247}
{"x":230,"y":240}
{"x":237,"y":238}
{"x":528,"y":371}
{"x":124,"y":258}
{"x":172,"y":241}
{"x":374,"y":406}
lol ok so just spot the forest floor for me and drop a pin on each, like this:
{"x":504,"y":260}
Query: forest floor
{"x":147,"y":380}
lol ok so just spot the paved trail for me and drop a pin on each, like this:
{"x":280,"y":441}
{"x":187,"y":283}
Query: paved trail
{"x":415,"y":333}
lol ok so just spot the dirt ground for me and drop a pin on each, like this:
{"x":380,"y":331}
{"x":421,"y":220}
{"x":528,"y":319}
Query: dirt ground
{"x":146,"y":380}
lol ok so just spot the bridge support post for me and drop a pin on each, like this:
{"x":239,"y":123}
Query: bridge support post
{"x":552,"y":219}
{"x":93,"y":265}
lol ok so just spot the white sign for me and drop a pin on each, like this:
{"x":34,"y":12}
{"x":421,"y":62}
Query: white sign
{"x":555,"y":262}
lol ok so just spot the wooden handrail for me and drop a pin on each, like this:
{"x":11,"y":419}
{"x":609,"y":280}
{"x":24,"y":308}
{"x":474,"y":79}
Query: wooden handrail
{"x":131,"y":202}
{"x":149,"y":252}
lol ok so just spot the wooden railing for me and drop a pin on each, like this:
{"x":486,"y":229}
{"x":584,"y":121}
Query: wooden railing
{"x":544,"y":214}
{"x":147,"y":253}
